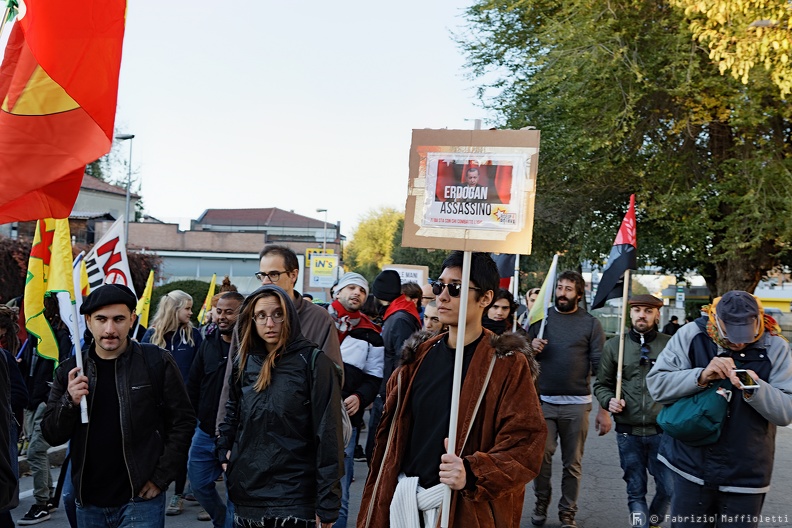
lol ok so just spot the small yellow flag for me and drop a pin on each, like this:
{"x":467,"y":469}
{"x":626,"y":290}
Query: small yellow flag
{"x":207,"y":305}
{"x":144,"y":303}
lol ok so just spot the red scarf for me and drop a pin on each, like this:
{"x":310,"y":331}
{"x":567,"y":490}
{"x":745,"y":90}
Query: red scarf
{"x":402,"y":304}
{"x":346,"y":321}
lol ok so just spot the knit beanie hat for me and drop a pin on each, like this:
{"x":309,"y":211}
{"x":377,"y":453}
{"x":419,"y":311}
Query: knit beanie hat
{"x":352,"y":278}
{"x":387,"y":286}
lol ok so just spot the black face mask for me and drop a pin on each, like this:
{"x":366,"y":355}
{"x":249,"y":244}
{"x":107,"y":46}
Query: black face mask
{"x":497,"y":327}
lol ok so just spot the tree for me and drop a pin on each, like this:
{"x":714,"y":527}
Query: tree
{"x":372,"y":242}
{"x":744,"y":34}
{"x":627,"y":102}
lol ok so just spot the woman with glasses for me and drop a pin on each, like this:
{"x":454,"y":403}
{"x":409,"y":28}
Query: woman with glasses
{"x":281,"y":442}
{"x":172,"y":329}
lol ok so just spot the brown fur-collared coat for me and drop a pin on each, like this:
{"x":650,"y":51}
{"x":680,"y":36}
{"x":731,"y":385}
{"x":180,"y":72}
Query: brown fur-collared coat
{"x":504,"y":449}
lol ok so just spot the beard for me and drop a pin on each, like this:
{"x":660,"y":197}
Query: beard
{"x":565,"y":305}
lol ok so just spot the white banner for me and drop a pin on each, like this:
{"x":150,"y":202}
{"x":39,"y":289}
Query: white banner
{"x":107,"y":261}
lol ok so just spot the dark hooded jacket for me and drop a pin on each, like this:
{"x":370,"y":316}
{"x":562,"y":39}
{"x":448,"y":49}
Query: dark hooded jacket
{"x":285,"y":441}
{"x":8,"y":481}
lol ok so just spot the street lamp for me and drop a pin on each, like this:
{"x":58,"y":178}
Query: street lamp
{"x":324,"y":238}
{"x":124,"y":137}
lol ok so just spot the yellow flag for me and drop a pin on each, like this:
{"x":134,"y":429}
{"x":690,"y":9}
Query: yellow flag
{"x":85,"y":286}
{"x":49,"y":270}
{"x":545,"y":297}
{"x":144,"y":303}
{"x":60,"y":278}
{"x":207,"y":305}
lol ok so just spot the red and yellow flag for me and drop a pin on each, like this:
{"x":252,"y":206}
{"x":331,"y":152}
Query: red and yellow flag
{"x":58,"y":92}
{"x":49,"y":271}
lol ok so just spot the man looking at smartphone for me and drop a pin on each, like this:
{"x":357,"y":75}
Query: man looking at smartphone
{"x":725,"y":483}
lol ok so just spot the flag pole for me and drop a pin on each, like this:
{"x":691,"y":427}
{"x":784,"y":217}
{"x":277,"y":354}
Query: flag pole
{"x":549,"y":294}
{"x":75,"y":328}
{"x":516,"y":292}
{"x":457,"y":382}
{"x":6,"y":14}
{"x":622,"y":319}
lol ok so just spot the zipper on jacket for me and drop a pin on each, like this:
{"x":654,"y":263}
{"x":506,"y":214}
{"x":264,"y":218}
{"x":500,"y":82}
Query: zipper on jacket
{"x":121,"y":422}
{"x":385,"y":454}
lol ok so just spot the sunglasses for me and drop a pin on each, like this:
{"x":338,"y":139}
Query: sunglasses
{"x":645,"y":359}
{"x":453,"y":288}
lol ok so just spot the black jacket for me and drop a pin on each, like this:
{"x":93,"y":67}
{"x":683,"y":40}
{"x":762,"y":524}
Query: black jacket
{"x":19,"y":393}
{"x":157,"y":434}
{"x":395,"y":331}
{"x":38,"y":371}
{"x":285,"y":441}
{"x":205,"y":381}
{"x":8,"y":481}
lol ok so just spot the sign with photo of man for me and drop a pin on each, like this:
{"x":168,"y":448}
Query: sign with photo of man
{"x":472,"y":190}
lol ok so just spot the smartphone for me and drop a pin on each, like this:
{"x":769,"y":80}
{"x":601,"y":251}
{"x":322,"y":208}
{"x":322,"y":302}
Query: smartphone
{"x":745,"y":379}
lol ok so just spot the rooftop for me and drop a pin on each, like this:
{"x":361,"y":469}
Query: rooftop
{"x":269,"y":216}
{"x":93,"y":183}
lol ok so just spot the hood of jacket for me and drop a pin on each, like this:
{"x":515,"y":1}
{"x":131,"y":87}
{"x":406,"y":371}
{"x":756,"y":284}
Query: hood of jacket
{"x":505,"y":345}
{"x":295,"y":341}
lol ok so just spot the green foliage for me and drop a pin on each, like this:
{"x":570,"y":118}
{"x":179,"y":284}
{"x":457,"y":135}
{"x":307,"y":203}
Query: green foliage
{"x":628,"y":103}
{"x":98,"y":169}
{"x":372,"y":242}
{"x":197,"y":289}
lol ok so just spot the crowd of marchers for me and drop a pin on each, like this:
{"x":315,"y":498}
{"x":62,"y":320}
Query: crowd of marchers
{"x":271,"y":394}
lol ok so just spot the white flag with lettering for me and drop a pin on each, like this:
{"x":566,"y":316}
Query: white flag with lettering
{"x":107,"y":261}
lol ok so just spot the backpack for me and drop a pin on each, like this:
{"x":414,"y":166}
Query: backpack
{"x":346,"y":423}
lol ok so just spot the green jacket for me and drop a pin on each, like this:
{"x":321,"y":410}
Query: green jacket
{"x":640,"y":410}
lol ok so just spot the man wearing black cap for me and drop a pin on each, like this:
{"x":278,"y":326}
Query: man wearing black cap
{"x":724,"y":483}
{"x":141,"y":420}
{"x":671,"y":326}
{"x":635,"y":413}
{"x":400,"y":321}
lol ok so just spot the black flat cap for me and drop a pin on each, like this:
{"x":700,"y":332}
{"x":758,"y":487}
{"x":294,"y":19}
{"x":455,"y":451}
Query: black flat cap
{"x":106,"y":295}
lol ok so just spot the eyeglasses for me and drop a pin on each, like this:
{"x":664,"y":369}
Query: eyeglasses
{"x":645,"y":359}
{"x":273,"y":276}
{"x":261,"y":318}
{"x":453,"y":288}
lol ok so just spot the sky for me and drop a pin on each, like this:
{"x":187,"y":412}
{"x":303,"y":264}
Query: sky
{"x":296,"y":105}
